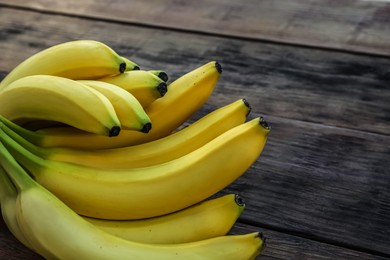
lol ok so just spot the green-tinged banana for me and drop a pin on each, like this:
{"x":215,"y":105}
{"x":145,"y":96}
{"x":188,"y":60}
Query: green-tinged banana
{"x":161,"y":150}
{"x":130,"y":65}
{"x":81,"y":59}
{"x":148,"y":191}
{"x":44,"y":97}
{"x":145,"y":86}
{"x":185,"y":96}
{"x":8,"y":194}
{"x":161,"y":74}
{"x":58,"y":232}
{"x":210,"y":218}
{"x":130,"y":113}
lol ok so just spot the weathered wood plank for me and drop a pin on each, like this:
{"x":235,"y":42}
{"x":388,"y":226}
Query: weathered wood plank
{"x":354,"y":25}
{"x":326,"y":87}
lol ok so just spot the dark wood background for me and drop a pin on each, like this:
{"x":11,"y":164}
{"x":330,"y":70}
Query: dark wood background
{"x":318,"y":71}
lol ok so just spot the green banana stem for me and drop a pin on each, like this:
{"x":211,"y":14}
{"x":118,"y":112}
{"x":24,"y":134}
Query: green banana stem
{"x":22,"y":155}
{"x":7,"y":188}
{"x":27,"y":134}
{"x":18,"y":176}
{"x":37,"y":150}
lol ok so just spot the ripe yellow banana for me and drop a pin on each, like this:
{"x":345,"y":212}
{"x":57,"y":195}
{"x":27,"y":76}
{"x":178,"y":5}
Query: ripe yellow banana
{"x":161,"y":74}
{"x":145,"y":86}
{"x":149,"y":191}
{"x":8,"y":196}
{"x":82,"y":59}
{"x":57,"y":232}
{"x":210,"y":218}
{"x":151,"y":153}
{"x":59,"y":99}
{"x":130,"y":113}
{"x":185,"y":96}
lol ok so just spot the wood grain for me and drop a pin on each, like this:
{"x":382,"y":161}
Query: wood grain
{"x":354,"y":25}
{"x":322,"y":181}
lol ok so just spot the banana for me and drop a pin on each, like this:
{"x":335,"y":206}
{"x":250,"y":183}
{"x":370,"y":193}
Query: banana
{"x":81,"y":59}
{"x":59,"y":99}
{"x":130,"y":113}
{"x":8,"y":196}
{"x":161,"y":74}
{"x":145,"y":86}
{"x":151,"y":153}
{"x":149,"y":191}
{"x":185,"y":96}
{"x":57,"y":232}
{"x":210,"y":218}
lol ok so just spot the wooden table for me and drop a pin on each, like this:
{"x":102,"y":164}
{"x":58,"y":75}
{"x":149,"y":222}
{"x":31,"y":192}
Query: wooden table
{"x":318,"y":71}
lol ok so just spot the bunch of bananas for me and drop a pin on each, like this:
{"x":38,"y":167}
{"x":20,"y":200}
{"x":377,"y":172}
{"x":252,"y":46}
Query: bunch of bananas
{"x":96,"y":164}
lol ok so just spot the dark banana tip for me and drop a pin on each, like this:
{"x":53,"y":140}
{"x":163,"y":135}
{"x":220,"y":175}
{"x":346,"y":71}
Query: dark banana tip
{"x":163,"y":76}
{"x":263,"y":238}
{"x":136,"y":68}
{"x":162,"y":88}
{"x":146,"y":128}
{"x":114,"y":131}
{"x":218,"y":67}
{"x":122,"y":67}
{"x":264,"y":123}
{"x":239,"y":200}
{"x":247,"y":105}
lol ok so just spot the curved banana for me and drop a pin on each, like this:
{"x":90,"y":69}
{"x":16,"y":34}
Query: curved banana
{"x":161,"y":74}
{"x":8,"y":196}
{"x":58,"y":232}
{"x":81,"y":59}
{"x":149,"y":191}
{"x":151,"y":153}
{"x":59,"y":99}
{"x":210,"y":218}
{"x":130,"y":113}
{"x":145,"y":86}
{"x":185,"y":96}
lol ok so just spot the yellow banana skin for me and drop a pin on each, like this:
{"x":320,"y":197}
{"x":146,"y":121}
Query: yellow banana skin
{"x":185,"y":96}
{"x":59,"y":99}
{"x":8,"y":196}
{"x":145,"y":86}
{"x":149,"y":191}
{"x":208,"y":219}
{"x":59,"y":233}
{"x":151,"y":153}
{"x":81,"y":59}
{"x":130,"y":113}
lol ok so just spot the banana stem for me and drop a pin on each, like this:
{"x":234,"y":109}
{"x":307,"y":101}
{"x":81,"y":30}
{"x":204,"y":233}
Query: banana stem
{"x":7,"y":188}
{"x":14,"y":171}
{"x":22,"y":155}
{"x":27,"y":134}
{"x":39,"y":151}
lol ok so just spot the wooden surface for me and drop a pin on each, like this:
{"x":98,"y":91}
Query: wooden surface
{"x":318,"y":71}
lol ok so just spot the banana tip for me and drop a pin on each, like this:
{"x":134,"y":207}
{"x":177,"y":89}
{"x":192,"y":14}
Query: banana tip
{"x":239,"y":200}
{"x":163,"y":76}
{"x":122,"y":67}
{"x":136,"y":68}
{"x":247,"y":105}
{"x":218,"y":67}
{"x":264,"y":124}
{"x":146,"y":128}
{"x":162,"y":88}
{"x":114,"y":131}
